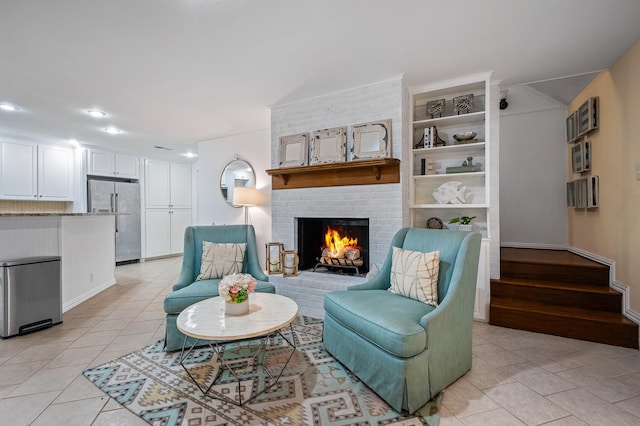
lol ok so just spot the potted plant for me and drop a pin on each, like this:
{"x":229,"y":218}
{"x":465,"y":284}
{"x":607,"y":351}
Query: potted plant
{"x":464,"y":222}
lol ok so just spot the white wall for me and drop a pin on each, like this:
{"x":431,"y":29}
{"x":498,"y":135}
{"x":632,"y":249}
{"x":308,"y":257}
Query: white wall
{"x":533,"y":156}
{"x":213,"y":156}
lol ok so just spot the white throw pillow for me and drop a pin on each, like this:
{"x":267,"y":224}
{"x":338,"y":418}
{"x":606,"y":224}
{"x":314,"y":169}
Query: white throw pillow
{"x":220,"y":259}
{"x":414,"y":274}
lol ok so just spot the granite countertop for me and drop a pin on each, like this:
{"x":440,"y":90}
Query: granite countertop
{"x":35,"y":214}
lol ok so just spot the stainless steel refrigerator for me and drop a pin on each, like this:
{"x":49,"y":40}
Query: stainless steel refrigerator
{"x":107,"y":196}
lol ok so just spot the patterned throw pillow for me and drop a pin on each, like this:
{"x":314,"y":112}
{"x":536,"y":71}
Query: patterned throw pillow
{"x":414,"y":274}
{"x":220,"y":259}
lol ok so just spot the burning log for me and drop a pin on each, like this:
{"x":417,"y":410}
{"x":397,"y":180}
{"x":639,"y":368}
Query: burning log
{"x":334,"y":261}
{"x":341,"y":251}
{"x":348,"y":253}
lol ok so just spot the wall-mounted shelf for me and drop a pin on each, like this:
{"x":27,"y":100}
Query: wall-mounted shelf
{"x":363,"y":172}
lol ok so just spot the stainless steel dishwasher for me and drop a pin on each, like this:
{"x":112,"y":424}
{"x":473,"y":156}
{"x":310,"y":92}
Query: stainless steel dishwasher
{"x":30,"y":294}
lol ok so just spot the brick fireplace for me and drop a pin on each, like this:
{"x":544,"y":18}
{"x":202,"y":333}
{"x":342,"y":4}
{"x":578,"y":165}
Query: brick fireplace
{"x":383,"y":205}
{"x":317,"y":236}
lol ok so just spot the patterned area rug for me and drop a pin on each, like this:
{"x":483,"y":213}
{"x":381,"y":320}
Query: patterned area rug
{"x":314,"y":389}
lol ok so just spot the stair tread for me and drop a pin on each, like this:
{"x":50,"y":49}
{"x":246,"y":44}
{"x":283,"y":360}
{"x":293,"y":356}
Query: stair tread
{"x":549,"y":257}
{"x":562,"y":311}
{"x":555,"y":285}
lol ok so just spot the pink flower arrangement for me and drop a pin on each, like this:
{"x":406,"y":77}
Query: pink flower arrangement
{"x":236,"y":288}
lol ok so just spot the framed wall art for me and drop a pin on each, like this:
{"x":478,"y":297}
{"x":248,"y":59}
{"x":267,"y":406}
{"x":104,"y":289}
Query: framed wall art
{"x":581,"y":157}
{"x":586,"y":192}
{"x":587,"y":116}
{"x":571,"y":194}
{"x":371,"y":140}
{"x":329,"y":146}
{"x":572,"y":127}
{"x":294,"y":150}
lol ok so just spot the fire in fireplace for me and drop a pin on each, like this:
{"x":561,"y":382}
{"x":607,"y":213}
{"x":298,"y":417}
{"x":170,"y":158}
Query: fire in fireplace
{"x":335,"y":244}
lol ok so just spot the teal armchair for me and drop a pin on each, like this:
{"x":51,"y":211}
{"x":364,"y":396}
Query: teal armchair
{"x":405,"y":350}
{"x":187,"y":291}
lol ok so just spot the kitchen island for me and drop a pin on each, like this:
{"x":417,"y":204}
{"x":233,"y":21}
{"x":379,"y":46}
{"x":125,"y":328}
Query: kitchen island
{"x":84,"y":241}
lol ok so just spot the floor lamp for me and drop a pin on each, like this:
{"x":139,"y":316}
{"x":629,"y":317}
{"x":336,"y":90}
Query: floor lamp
{"x":245,"y":197}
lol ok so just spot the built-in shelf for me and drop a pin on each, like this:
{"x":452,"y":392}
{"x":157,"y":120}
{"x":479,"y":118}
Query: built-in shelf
{"x":472,"y":117}
{"x":449,"y":206}
{"x":462,"y":147}
{"x":448,"y":175}
{"x":362,"y":172}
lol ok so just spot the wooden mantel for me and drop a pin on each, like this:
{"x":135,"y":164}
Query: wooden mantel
{"x":361,"y":172}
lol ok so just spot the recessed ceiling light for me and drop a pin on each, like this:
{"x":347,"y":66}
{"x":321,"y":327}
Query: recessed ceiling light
{"x":73,"y":142}
{"x":113,"y":130}
{"x":190,"y":154}
{"x":8,"y":107}
{"x":96,"y":113}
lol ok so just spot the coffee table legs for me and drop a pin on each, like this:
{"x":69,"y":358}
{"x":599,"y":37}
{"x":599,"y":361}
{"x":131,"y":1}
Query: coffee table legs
{"x":219,"y":348}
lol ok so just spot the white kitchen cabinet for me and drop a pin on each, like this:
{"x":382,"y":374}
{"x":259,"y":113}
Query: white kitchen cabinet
{"x":29,"y":171}
{"x":168,"y":185}
{"x":113,"y":165}
{"x":180,"y":186}
{"x":165,"y":231}
{"x":168,"y":206}
{"x":158,"y":233}
{"x":180,"y":219}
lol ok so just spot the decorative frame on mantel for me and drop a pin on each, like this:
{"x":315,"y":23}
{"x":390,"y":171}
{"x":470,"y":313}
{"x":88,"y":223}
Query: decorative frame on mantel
{"x":294,"y":150}
{"x":364,"y":172}
{"x":329,"y":146}
{"x":371,"y":140}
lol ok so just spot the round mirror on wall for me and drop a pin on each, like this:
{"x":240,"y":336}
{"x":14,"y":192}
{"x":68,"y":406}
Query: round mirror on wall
{"x":236,"y":174}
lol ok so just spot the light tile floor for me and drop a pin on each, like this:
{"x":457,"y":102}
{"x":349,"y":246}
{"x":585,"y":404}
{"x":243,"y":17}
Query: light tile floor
{"x":518,"y":377}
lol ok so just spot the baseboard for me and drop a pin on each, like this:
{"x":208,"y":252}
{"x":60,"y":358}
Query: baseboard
{"x":627,"y":312}
{"x":86,"y":296}
{"x":534,"y":246}
{"x":616,"y":285}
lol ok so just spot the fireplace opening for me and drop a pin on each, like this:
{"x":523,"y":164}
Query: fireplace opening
{"x":337,"y":245}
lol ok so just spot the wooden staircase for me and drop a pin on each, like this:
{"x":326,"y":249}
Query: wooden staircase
{"x":560,"y":293}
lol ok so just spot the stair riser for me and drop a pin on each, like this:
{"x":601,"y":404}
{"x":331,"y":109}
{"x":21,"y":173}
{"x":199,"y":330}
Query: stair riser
{"x":556,"y":273}
{"x":560,"y":297}
{"x":576,"y":328}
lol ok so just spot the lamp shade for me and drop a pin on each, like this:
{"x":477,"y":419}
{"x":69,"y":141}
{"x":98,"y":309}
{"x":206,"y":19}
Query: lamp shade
{"x":245,"y":196}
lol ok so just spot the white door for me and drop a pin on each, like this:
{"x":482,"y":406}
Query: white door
{"x":180,"y":186}
{"x":157,"y":184}
{"x":55,"y":173}
{"x":101,"y":163}
{"x":127,"y":167}
{"x":18,"y":171}
{"x":158,"y":233}
{"x":180,"y":219}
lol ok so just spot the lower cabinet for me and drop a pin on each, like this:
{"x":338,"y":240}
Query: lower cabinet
{"x":165,"y":231}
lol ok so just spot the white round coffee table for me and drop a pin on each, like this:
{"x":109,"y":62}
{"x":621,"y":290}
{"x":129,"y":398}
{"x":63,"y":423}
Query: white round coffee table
{"x":207,"y":322}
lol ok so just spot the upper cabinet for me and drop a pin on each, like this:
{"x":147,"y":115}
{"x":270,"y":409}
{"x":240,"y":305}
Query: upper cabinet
{"x":113,"y":165}
{"x":168,"y":185}
{"x":29,"y":171}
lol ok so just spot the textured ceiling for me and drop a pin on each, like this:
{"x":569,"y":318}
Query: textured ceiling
{"x":175,"y":72}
